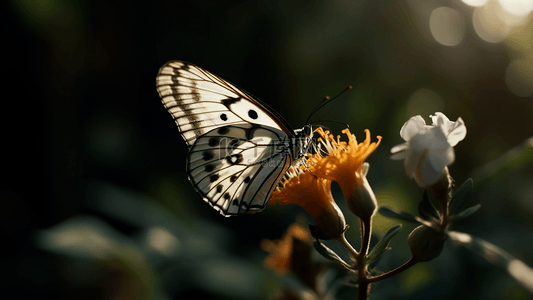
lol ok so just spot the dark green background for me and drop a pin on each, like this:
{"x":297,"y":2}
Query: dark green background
{"x":85,"y":129}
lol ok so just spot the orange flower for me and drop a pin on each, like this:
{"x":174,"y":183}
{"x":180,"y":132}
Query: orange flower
{"x":313,"y":194}
{"x":280,"y":259}
{"x":309,"y":186}
{"x":344,"y":162}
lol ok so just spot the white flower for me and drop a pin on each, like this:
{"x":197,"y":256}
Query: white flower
{"x":428,"y":149}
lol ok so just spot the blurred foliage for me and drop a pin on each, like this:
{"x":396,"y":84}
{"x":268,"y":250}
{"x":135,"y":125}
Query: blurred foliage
{"x":95,"y":165}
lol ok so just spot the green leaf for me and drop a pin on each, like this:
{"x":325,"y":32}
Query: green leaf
{"x":466,"y":213}
{"x":461,"y":197}
{"x":427,"y":210}
{"x":517,"y":269}
{"x":330,"y":254}
{"x":513,"y":160}
{"x":383,"y":245}
{"x":391,"y":213}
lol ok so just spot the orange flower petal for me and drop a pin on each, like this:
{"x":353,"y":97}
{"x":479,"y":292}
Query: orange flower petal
{"x":343,"y":159}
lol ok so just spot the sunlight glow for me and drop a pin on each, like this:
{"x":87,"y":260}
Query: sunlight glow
{"x":521,"y":272}
{"x":492,"y":22}
{"x":162,"y":240}
{"x":519,"y":78}
{"x":475,"y":3}
{"x":447,"y":26}
{"x":517,"y":7}
{"x":461,"y":237}
{"x":487,"y":26}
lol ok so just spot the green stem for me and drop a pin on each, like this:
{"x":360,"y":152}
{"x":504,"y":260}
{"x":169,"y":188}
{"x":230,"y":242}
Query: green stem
{"x":394,"y":272}
{"x":366,"y":232}
{"x":342,"y":240}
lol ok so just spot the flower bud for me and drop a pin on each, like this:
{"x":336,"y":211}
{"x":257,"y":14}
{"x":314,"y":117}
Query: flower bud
{"x":362,"y":201}
{"x":330,"y":223}
{"x":313,"y":194}
{"x":425,"y":243}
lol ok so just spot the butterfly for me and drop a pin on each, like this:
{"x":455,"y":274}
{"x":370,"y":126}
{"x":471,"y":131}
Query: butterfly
{"x":239,"y":147}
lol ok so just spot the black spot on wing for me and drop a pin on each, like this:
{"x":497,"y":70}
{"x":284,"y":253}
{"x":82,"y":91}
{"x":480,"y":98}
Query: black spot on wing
{"x":213,"y":141}
{"x":213,"y":177}
{"x":230,"y":101}
{"x":233,"y":178}
{"x":233,"y":142}
{"x":223,"y":130}
{"x":235,"y":159}
{"x":252,"y":114}
{"x":223,"y":117}
{"x":250,"y":131}
{"x":208,"y":155}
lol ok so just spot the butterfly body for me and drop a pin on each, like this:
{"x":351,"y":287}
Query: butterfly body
{"x":239,"y":148}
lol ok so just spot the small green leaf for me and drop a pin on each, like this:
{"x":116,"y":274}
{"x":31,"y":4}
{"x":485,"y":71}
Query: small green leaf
{"x":426,"y":223}
{"x":391,"y":213}
{"x":383,"y":245}
{"x":517,"y":269}
{"x":427,"y":210}
{"x":330,"y":254}
{"x":461,"y":197}
{"x":466,"y":213}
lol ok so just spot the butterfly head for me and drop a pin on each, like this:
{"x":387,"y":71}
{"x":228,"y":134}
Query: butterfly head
{"x":302,"y":142}
{"x":307,"y":131}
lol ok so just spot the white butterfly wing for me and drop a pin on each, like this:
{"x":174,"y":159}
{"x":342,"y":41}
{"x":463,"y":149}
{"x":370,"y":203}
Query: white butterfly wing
{"x":200,"y":101}
{"x":237,"y":167}
{"x":239,"y":148}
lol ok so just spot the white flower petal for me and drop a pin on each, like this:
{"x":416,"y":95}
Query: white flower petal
{"x":399,"y":156}
{"x":440,"y":158}
{"x":420,"y":142}
{"x":412,"y":127}
{"x":412,"y":159}
{"x":428,"y":148}
{"x":436,"y":139}
{"x":439,"y":119}
{"x":428,"y":174}
{"x":399,"y":148}
{"x":457,"y":133}
{"x":450,"y":156}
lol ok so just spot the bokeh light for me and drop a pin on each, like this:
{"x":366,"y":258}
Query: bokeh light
{"x":519,"y":77}
{"x":487,"y":26}
{"x":492,"y":22}
{"x":517,"y":7}
{"x":447,"y":26}
{"x":475,"y":3}
{"x":161,"y":239}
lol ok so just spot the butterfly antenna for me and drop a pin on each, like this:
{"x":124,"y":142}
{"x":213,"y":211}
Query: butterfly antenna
{"x":331,"y":121}
{"x":325,"y":101}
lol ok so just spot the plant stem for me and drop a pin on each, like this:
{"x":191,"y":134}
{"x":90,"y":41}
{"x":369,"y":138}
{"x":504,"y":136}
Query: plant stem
{"x":342,"y":240}
{"x":366,"y":232}
{"x":396,"y":271}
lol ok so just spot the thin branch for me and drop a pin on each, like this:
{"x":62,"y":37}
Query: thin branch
{"x":342,"y":240}
{"x":394,"y":272}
